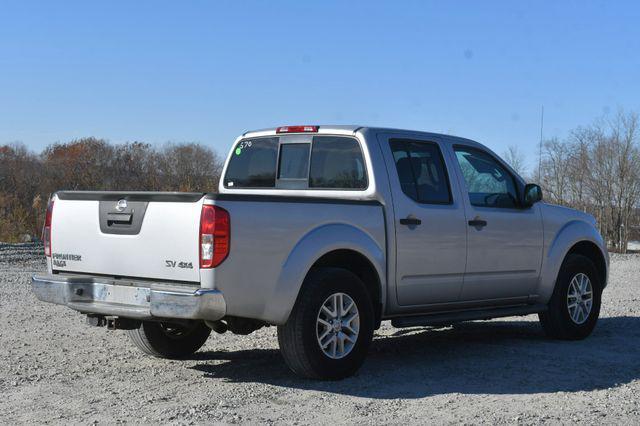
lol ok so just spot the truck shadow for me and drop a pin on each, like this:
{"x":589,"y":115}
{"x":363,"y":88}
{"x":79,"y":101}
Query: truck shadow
{"x":497,"y":357}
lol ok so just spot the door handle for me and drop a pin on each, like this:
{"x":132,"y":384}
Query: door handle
{"x":119,"y":218}
{"x":478,"y":223}
{"x":410,"y":221}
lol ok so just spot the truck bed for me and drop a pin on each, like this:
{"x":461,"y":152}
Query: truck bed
{"x":275,"y":239}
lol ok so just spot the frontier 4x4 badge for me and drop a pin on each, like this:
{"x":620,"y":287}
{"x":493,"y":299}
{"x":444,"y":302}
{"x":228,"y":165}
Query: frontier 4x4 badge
{"x":60,"y":259}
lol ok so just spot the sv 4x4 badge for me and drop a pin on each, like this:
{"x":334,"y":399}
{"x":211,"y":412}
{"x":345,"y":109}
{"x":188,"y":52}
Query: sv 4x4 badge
{"x":174,"y":264}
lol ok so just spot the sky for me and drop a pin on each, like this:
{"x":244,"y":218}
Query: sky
{"x":206,"y":71}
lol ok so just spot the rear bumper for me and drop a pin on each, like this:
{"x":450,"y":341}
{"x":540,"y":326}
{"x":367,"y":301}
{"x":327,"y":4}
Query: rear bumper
{"x":129,"y":299}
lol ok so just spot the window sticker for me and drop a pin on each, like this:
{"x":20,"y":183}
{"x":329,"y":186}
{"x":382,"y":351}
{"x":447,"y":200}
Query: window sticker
{"x":242,"y":145}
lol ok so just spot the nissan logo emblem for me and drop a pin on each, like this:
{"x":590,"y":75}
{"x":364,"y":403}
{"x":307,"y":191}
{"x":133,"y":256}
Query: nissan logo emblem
{"x":121,"y":205}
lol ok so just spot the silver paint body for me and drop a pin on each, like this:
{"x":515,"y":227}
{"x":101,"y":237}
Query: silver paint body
{"x":441,"y":265}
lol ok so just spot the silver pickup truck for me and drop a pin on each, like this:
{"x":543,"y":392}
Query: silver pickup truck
{"x":324,"y":232}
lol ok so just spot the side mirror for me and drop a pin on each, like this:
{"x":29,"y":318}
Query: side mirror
{"x":532,"y":194}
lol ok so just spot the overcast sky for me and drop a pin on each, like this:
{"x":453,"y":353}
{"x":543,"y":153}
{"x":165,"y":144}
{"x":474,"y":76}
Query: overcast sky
{"x":207,"y":71}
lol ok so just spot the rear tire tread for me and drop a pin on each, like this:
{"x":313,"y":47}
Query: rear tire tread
{"x":305,"y":358}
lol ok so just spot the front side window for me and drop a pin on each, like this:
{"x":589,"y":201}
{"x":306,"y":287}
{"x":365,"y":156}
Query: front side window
{"x":488,"y":182}
{"x":421,"y":171}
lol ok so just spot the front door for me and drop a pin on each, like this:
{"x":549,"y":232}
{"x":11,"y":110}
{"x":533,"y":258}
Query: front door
{"x":429,"y":223}
{"x":504,"y":241}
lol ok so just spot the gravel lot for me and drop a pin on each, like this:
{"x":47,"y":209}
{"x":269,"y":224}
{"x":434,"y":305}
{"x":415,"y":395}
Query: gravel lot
{"x":56,"y":369}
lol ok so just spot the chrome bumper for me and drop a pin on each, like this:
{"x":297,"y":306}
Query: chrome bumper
{"x":129,"y":299}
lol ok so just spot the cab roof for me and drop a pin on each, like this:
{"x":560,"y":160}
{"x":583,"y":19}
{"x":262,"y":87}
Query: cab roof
{"x":350,"y":130}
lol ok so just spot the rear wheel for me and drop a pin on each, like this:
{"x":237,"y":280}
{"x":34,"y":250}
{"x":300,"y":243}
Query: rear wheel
{"x":574,"y":307}
{"x":165,"y":340}
{"x":329,"y":331}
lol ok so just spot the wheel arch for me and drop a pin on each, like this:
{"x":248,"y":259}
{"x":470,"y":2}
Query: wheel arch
{"x":591,"y":251}
{"x":358,"y":264}
{"x":335,"y":245}
{"x":576,"y":237}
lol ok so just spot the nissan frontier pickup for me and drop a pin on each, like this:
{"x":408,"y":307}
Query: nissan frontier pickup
{"x":325,"y":232}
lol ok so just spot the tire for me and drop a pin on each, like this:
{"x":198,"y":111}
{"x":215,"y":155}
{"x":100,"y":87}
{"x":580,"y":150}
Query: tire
{"x":299,"y":336}
{"x":559,"y":321}
{"x":164,"y":340}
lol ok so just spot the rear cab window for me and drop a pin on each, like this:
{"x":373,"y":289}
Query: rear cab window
{"x":285,"y":162}
{"x":253,"y":164}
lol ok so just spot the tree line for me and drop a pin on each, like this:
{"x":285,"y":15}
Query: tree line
{"x":596,"y":169}
{"x":27,"y":179}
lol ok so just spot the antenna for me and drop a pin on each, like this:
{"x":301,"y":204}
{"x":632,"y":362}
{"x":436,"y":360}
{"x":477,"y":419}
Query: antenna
{"x":540,"y":147}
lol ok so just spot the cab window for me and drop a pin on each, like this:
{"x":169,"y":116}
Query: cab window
{"x":336,"y":162}
{"x":322,"y":162}
{"x":489,"y":184}
{"x":253,"y":164}
{"x":421,"y":171}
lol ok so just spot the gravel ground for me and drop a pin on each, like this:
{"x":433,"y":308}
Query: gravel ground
{"x":56,"y":369}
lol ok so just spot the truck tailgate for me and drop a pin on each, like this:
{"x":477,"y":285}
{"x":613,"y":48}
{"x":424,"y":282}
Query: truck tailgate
{"x":144,"y":235}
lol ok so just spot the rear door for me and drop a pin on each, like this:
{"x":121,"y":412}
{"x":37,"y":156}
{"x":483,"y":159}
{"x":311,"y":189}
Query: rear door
{"x":140,"y":235}
{"x":430,"y":223}
{"x":504,"y":241}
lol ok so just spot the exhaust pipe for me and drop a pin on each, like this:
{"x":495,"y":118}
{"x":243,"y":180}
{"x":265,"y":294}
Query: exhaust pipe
{"x":217,"y":326}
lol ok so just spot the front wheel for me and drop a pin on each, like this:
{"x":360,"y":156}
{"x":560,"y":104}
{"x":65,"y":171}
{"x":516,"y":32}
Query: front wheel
{"x":329,"y":331}
{"x":574,"y":307}
{"x":165,"y":340}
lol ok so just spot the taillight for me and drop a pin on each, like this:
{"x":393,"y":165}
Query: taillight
{"x":214,"y":236}
{"x":297,"y":129}
{"x":46,"y":232}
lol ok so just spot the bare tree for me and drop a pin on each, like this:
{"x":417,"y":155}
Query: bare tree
{"x":80,"y":164}
{"x":578,"y":169}
{"x":626,"y":186}
{"x":20,"y":181}
{"x":189,"y":167}
{"x":27,"y":180}
{"x":134,"y":168}
{"x":515,"y":158}
{"x":597,"y":170}
{"x":554,"y":170}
